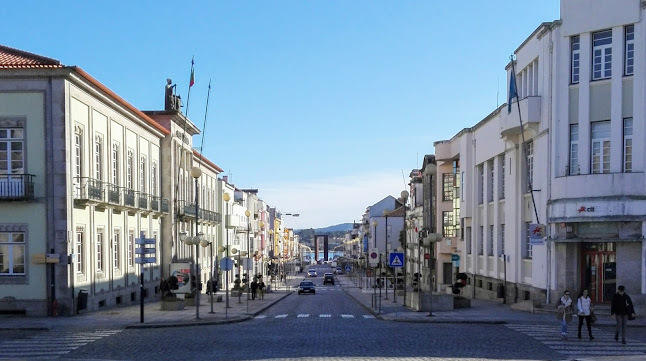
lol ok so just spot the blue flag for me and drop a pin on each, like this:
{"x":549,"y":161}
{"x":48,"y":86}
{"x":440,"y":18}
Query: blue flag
{"x":512,"y":91}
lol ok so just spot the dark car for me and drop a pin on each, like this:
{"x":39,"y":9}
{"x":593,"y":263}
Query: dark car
{"x":306,"y":287}
{"x":328,"y":278}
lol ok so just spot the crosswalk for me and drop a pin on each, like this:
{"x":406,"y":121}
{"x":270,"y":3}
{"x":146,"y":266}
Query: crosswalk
{"x":307,"y":315}
{"x":49,"y":345}
{"x":604,"y":343}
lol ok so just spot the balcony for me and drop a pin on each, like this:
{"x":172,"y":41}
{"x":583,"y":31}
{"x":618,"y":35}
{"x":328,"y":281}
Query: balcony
{"x":165,"y":205}
{"x":16,"y":187}
{"x":114,"y":194}
{"x":88,"y":190}
{"x":530,"y":111}
{"x":155,"y":203}
{"x":129,"y":197}
{"x":142,"y":201}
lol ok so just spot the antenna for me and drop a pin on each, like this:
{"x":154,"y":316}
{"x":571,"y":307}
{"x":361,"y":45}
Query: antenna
{"x":404,"y":179}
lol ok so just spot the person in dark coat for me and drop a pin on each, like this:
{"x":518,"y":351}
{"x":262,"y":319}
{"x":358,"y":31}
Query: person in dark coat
{"x":254,"y":288}
{"x":622,"y":308}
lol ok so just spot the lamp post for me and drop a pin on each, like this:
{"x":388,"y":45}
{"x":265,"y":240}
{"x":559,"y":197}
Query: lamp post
{"x":430,"y":171}
{"x":404,"y":194}
{"x":205,"y":243}
{"x":226,"y":197}
{"x":257,"y":254}
{"x":272,"y":277}
{"x":385,"y":213}
{"x":196,"y":173}
{"x":374,"y":224}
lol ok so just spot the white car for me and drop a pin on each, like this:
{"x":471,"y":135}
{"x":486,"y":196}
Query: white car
{"x":311,"y":273}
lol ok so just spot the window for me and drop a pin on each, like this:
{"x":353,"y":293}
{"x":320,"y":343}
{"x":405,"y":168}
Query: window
{"x":116,"y":249}
{"x":11,"y":151}
{"x":574,"y":60}
{"x":501,"y":177}
{"x":468,"y":240}
{"x":628,"y":145}
{"x":601,"y":54}
{"x":78,"y":151}
{"x":490,"y":181}
{"x":99,"y":250}
{"x":98,"y":157}
{"x":115,"y":163}
{"x":574,"y":150}
{"x":142,"y":174}
{"x":501,"y":245}
{"x":629,"y":63}
{"x":129,"y":167}
{"x":600,"y":147}
{"x":462,"y":185}
{"x":12,"y":253}
{"x":447,"y":186}
{"x":480,"y":183}
{"x":480,"y":241}
{"x":457,"y":180}
{"x":448,"y":229}
{"x":530,"y":166}
{"x":490,"y":243}
{"x":153,"y":179}
{"x":78,"y":248}
{"x":528,"y":244}
{"x":131,"y":247}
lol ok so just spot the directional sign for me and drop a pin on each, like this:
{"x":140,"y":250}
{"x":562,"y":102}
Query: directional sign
{"x":145,"y":250}
{"x":142,"y":260}
{"x":396,"y":260}
{"x":226,"y":264}
{"x":145,"y":241}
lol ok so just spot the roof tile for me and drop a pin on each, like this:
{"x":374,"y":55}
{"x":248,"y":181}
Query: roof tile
{"x":11,"y":58}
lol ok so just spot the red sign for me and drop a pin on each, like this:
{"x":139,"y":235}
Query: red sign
{"x":427,"y":256}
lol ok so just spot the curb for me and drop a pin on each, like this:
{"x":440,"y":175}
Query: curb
{"x":39,"y":328}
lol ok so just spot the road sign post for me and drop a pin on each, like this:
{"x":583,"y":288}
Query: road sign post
{"x":147,"y":255}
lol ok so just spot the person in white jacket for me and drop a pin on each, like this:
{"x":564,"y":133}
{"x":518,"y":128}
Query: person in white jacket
{"x":584,"y":307}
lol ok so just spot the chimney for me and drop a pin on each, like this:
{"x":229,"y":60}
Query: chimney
{"x":225,"y":178}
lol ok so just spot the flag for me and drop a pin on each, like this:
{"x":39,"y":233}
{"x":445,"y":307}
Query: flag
{"x":192,"y":81}
{"x":512,"y":91}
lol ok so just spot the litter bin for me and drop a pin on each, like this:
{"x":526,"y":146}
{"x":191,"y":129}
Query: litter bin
{"x":81,"y":302}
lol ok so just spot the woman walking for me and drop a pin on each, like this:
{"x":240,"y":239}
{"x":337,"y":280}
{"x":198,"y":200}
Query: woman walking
{"x":584,"y":306}
{"x":564,"y":312}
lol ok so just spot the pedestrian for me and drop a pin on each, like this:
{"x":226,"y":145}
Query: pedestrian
{"x":254,"y":288}
{"x":622,"y":308}
{"x":564,"y":312}
{"x":584,"y":307}
{"x":261,"y":288}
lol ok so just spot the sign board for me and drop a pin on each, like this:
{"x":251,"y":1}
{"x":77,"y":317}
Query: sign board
{"x":145,"y":240}
{"x":456,"y":264}
{"x":145,"y":250}
{"x":147,"y":253}
{"x":455,"y":257}
{"x":144,"y":260}
{"x":183,"y":273}
{"x":52,"y":257}
{"x":536,"y":233}
{"x":396,"y":260}
{"x":247,"y":264}
{"x":38,"y":258}
{"x":226,"y":264}
{"x":373,"y":257}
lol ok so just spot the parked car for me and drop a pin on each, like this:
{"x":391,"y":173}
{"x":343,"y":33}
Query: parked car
{"x":306,"y":287}
{"x":311,"y":273}
{"x":328,"y":278}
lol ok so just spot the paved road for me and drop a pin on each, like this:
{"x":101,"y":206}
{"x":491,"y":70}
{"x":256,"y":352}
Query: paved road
{"x":330,"y":325}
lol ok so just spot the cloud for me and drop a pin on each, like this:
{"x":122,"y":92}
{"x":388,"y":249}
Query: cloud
{"x":332,"y":200}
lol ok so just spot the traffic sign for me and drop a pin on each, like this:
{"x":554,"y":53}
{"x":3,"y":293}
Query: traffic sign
{"x":348,"y":268}
{"x":145,"y":250}
{"x":396,"y":260}
{"x":373,"y":257}
{"x":226,"y":264}
{"x":455,"y":257}
{"x":142,"y":260}
{"x":145,"y":240}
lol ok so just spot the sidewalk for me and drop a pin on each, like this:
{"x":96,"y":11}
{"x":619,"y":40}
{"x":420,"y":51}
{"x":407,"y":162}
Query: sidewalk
{"x":480,"y":312}
{"x":129,"y":316}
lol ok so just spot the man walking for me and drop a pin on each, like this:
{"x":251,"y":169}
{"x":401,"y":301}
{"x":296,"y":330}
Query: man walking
{"x":254,"y":288}
{"x":622,"y":309}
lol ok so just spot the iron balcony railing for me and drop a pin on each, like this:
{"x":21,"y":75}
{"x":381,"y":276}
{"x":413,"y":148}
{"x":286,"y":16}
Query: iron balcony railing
{"x":154,"y":203}
{"x":165,"y":205}
{"x":189,"y":209}
{"x":129,"y":197}
{"x":114,"y":194}
{"x":142,"y":200}
{"x":89,"y":189}
{"x":16,"y":186}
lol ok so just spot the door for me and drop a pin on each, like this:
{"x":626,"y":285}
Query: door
{"x":599,"y":271}
{"x":447,"y":273}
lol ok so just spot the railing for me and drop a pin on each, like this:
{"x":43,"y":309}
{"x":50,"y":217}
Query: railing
{"x":88,"y":189}
{"x":189,"y":209}
{"x":129,"y":197}
{"x":142,"y":200}
{"x":165,"y":205}
{"x":154,"y":203}
{"x":114,"y":194}
{"x":16,"y":186}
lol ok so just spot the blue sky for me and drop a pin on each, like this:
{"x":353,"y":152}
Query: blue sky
{"x":319,"y":104}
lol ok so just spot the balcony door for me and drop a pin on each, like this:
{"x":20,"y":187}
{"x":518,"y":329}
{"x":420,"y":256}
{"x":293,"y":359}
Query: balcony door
{"x":12,"y":171}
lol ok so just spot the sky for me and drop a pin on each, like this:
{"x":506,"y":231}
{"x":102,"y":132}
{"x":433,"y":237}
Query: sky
{"x":324,"y":106}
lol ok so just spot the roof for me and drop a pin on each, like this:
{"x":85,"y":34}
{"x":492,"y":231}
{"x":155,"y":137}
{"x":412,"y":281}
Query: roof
{"x":11,"y":58}
{"x":206,"y":161}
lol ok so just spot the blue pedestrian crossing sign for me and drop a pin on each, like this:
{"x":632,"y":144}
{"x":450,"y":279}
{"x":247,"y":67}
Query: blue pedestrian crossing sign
{"x":396,"y":260}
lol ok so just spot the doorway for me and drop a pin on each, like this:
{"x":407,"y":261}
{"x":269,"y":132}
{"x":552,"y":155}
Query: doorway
{"x":599,"y":271}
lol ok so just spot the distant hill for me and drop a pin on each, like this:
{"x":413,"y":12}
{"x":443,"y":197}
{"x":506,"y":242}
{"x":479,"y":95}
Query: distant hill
{"x":343,"y":227}
{"x":338,"y":230}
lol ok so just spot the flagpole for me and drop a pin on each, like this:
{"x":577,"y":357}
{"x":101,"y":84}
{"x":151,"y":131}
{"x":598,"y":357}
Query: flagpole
{"x":522,"y":134}
{"x":206,"y":111}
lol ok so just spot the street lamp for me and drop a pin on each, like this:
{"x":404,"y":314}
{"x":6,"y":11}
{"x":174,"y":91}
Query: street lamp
{"x":430,"y":171}
{"x":248,"y":214}
{"x":374,"y":224}
{"x":258,"y":253}
{"x":226,"y":197}
{"x":205,"y":243}
{"x":196,"y":173}
{"x":404,"y":195}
